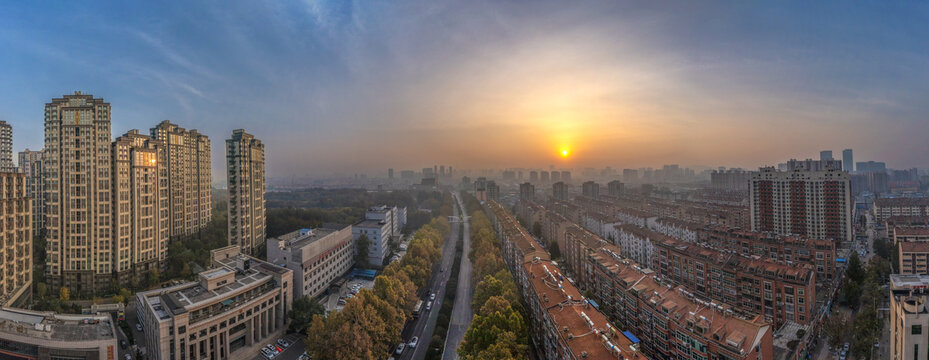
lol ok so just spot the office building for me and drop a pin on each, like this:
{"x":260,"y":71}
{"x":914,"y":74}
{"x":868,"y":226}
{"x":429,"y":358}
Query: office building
{"x":615,"y":188}
{"x":590,"y":189}
{"x":15,"y":241}
{"x":909,"y":318}
{"x":245,"y":162}
{"x":77,"y":165}
{"x":390,"y":173}
{"x":6,"y":147}
{"x":49,"y":336}
{"x":815,"y":204}
{"x":140,"y":207}
{"x":825,"y":155}
{"x":560,"y":191}
{"x":317,"y":257}
{"x":30,"y":164}
{"x":186,"y":159}
{"x":395,"y":216}
{"x":526,"y":192}
{"x":232,"y":309}
{"x":848,"y":160}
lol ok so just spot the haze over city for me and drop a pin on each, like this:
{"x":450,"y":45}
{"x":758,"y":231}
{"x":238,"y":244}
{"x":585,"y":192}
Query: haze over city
{"x":347,"y":87}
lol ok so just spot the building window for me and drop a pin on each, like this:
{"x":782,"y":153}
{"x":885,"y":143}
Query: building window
{"x":917,"y":329}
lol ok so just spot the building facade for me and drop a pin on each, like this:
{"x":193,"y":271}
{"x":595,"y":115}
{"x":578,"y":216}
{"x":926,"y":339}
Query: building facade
{"x":245,"y":162}
{"x":140,"y":206}
{"x":815,"y":204}
{"x":590,"y":189}
{"x":560,"y":191}
{"x":15,"y":241}
{"x":186,"y":159}
{"x":909,"y":317}
{"x":30,"y":163}
{"x":885,"y":208}
{"x":49,"y":336}
{"x":77,"y":165}
{"x":317,"y":257}
{"x":231,"y":310}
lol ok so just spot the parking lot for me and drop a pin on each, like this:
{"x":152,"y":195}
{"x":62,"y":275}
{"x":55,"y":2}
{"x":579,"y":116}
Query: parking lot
{"x":336,"y":301}
{"x":292,"y":351}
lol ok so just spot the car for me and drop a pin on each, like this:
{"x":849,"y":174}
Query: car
{"x":272,"y":349}
{"x":122,"y":344}
{"x":127,"y":357}
{"x":429,"y":306}
{"x":303,"y":357}
{"x":845,"y":347}
{"x":432,"y":296}
{"x":400,"y":348}
{"x":283,"y":343}
{"x":267,"y":353}
{"x":138,"y":327}
{"x":414,"y":341}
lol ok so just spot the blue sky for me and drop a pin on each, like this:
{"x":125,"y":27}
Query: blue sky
{"x":351,"y":86}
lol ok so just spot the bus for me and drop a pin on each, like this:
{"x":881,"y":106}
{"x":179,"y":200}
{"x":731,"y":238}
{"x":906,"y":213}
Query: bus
{"x":418,"y":308}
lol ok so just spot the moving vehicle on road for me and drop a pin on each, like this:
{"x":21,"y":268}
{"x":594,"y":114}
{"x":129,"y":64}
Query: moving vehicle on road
{"x":413,"y":342}
{"x":400,"y":348}
{"x":432,"y":296}
{"x":429,"y":306}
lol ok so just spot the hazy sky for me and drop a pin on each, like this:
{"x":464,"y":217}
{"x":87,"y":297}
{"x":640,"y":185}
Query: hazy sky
{"x":350,"y":86}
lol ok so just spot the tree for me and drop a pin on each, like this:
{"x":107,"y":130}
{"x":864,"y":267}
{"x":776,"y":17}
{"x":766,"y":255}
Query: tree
{"x":835,"y":327}
{"x":537,"y":229}
{"x":362,"y":246}
{"x":41,"y":290}
{"x":153,"y":277}
{"x":855,"y":271}
{"x":64,"y":294}
{"x":554,"y":250}
{"x":304,"y":309}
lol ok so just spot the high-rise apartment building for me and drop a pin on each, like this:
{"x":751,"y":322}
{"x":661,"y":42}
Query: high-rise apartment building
{"x":825,"y":155}
{"x":590,"y":189}
{"x":615,"y":188}
{"x":848,"y":160}
{"x":815,"y":204}
{"x":77,"y":165}
{"x":15,"y":240}
{"x":30,"y":164}
{"x":245,"y":163}
{"x":186,"y":159}
{"x":560,"y":191}
{"x":6,"y":147}
{"x":140,"y":206}
{"x":526,"y":192}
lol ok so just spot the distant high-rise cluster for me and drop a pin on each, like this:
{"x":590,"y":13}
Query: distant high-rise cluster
{"x":245,"y":163}
{"x":110,"y":207}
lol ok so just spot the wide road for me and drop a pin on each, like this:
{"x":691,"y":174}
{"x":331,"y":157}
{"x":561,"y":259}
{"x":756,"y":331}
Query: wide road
{"x":424,"y":326}
{"x":461,"y":312}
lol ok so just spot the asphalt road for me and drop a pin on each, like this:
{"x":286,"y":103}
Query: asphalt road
{"x":461,"y":312}
{"x":291,"y":353}
{"x":424,"y":325}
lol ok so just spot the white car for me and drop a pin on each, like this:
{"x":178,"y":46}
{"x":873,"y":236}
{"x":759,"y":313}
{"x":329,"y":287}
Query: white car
{"x":283,"y":343}
{"x":400,"y":349}
{"x":432,"y":296}
{"x":138,"y":327}
{"x":414,"y":341}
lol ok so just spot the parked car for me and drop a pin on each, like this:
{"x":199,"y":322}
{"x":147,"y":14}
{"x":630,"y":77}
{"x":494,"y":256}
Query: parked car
{"x":283,"y":343}
{"x":400,"y":348}
{"x":432,"y":296}
{"x":429,"y":305}
{"x":138,"y":327}
{"x":414,"y":341}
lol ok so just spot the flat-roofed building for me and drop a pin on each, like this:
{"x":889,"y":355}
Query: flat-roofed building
{"x":316,"y":256}
{"x":909,"y":317}
{"x":30,"y":163}
{"x":245,"y":163}
{"x":884,"y":208}
{"x":228,"y":313}
{"x":378,"y":233}
{"x":186,"y":159}
{"x":49,"y":336}
{"x":913,"y":245}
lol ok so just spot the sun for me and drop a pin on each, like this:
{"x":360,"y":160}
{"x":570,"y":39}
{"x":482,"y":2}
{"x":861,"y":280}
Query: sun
{"x":564,"y":153}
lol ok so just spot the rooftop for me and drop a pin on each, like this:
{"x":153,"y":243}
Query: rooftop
{"x":906,"y":282}
{"x":303,"y":237}
{"x":52,"y":326}
{"x":370,"y":223}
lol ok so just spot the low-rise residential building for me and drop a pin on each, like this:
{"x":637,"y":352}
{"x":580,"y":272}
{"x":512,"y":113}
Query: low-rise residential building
{"x":35,"y":335}
{"x":227,"y":313}
{"x":909,"y":317}
{"x":884,"y":208}
{"x":316,"y":256}
{"x":913,"y":245}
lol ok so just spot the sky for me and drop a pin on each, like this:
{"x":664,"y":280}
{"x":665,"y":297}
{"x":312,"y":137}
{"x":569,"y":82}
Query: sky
{"x":341,"y":87}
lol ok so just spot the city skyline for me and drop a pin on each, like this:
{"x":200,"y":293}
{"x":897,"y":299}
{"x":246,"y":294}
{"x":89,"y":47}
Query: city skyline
{"x":480,"y":85}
